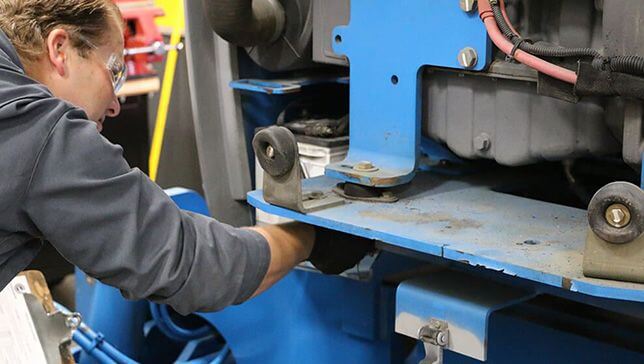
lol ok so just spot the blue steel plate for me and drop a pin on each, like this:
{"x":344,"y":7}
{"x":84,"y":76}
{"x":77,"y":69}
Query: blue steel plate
{"x":535,"y":240}
{"x":387,"y":43}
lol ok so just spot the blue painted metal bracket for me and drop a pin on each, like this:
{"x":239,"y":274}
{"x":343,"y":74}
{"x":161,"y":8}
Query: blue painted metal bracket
{"x":452,"y":218}
{"x":387,"y":42}
{"x":285,"y":86}
{"x":462,"y":301}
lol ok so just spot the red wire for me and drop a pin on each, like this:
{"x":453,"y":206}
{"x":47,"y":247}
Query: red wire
{"x":505,"y":16}
{"x":552,"y":70}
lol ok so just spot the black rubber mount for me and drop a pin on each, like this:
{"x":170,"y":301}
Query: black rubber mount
{"x":623,"y":193}
{"x":284,"y":150}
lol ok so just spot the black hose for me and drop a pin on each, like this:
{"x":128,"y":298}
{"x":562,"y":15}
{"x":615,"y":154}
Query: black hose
{"x":626,"y":64}
{"x":245,"y":22}
{"x":541,"y":50}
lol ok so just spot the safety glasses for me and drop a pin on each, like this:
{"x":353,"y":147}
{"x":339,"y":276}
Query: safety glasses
{"x":118,"y":71}
{"x":115,"y":66}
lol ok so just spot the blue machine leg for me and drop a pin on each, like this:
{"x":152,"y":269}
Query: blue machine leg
{"x":104,"y":309}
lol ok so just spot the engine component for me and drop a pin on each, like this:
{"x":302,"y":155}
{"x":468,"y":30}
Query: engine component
{"x":487,"y":16}
{"x":276,"y":34}
{"x":246,"y":23}
{"x":506,"y":121}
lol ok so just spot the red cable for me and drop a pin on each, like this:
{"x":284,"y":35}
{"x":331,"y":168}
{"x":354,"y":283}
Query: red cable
{"x":505,"y":16}
{"x":552,"y":70}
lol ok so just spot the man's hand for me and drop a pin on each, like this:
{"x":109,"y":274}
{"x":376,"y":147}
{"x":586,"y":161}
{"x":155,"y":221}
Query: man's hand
{"x":331,"y":252}
{"x":290,"y":244}
{"x":334,"y":251}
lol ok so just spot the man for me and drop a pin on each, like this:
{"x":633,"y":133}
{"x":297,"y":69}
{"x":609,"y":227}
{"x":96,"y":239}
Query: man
{"x":61,"y":62}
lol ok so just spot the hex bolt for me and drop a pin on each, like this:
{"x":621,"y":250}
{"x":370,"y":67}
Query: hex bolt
{"x":618,"y":215}
{"x":468,"y":58}
{"x":270,"y":152}
{"x":364,"y":166}
{"x":73,"y":320}
{"x":467,"y":5}
{"x":482,"y":142}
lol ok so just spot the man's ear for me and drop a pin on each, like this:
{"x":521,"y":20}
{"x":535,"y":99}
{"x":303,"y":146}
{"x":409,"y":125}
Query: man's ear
{"x":58,"y":50}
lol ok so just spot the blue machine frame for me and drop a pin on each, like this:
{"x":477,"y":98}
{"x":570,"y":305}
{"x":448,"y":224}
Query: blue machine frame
{"x":486,"y":251}
{"x":340,"y":320}
{"x":387,"y":44}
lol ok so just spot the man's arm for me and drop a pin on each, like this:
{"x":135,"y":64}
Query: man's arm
{"x":290,"y":244}
{"x":121,"y":228}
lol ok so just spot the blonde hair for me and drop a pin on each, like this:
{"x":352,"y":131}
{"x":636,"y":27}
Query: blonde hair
{"x":27,"y":23}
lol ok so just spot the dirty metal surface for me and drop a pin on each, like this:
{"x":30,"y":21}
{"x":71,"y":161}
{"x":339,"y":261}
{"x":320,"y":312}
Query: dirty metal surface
{"x":459,"y":221}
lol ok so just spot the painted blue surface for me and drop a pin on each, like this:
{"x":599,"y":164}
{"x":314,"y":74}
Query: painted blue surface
{"x":387,"y":42}
{"x":301,"y":317}
{"x":461,"y":300}
{"x":312,"y":318}
{"x":456,"y":220}
{"x":104,"y":309}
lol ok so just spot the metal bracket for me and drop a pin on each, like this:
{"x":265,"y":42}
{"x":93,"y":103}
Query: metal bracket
{"x":54,"y":329}
{"x":276,"y":150}
{"x":435,"y":337}
{"x":384,"y":90}
{"x":427,"y":306}
{"x":32,"y":318}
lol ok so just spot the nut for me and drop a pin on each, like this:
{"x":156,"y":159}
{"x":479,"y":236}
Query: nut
{"x":618,"y":215}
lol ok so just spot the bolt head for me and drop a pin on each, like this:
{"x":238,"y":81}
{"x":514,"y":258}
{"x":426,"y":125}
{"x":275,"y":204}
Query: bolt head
{"x":618,"y":215}
{"x":441,"y":339}
{"x":467,"y":5}
{"x":482,"y":142}
{"x":270,"y":152}
{"x":20,"y":288}
{"x":468,"y":58}
{"x":365,"y":166}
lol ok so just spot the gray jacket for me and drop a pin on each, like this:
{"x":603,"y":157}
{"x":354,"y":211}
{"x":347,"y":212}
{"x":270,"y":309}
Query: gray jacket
{"x":61,"y":181}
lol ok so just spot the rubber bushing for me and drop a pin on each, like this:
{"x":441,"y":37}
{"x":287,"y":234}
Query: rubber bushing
{"x":284,"y":149}
{"x":624,"y":193}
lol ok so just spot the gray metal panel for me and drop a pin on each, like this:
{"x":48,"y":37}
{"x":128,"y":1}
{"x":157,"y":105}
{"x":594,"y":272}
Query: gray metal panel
{"x":623,"y":31}
{"x":623,"y":27}
{"x":327,"y":14}
{"x":216,"y":111}
{"x":521,"y":126}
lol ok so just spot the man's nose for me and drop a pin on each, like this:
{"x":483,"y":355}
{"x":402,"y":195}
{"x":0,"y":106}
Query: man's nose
{"x":114,"y":108}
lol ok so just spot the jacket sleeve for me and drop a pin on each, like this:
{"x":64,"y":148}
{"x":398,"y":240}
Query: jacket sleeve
{"x":118,"y":226}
